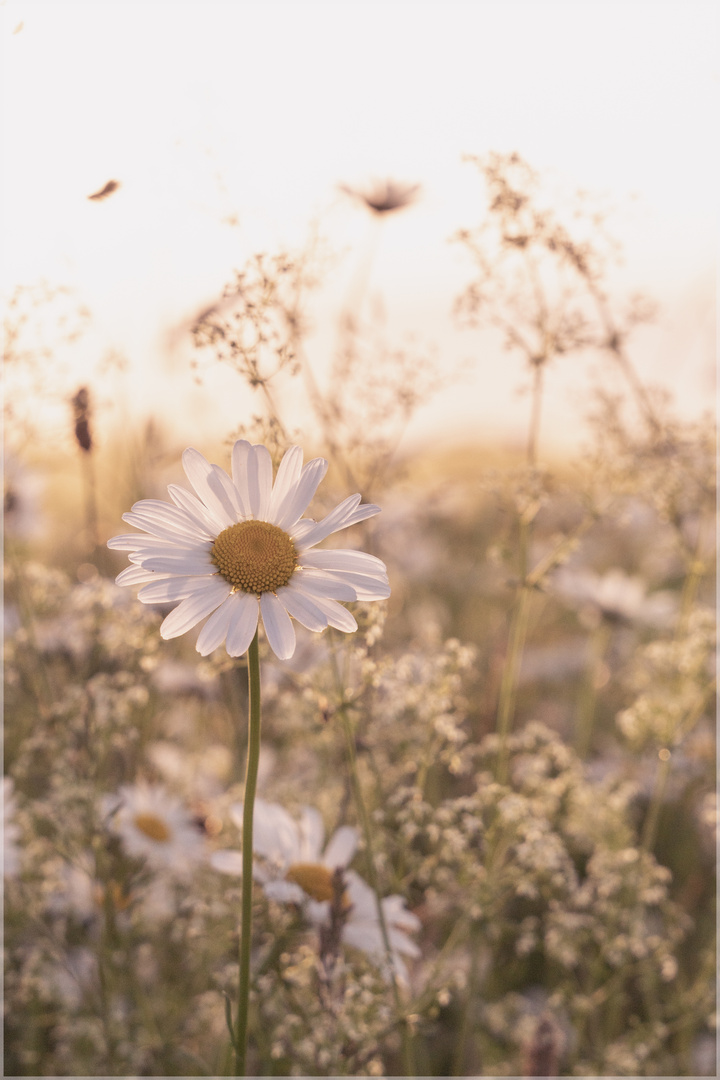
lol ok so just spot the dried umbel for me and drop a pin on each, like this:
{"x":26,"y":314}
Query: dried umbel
{"x":82,"y":414}
{"x":384,"y":196}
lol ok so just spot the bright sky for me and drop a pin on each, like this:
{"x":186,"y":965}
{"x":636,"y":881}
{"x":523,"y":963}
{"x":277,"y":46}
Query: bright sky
{"x":207,"y":110}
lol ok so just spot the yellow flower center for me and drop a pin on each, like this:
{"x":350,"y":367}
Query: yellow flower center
{"x":255,"y":556}
{"x":315,"y":880}
{"x":152,"y":826}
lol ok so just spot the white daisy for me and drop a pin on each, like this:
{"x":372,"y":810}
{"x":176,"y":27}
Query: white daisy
{"x":156,"y":826}
{"x":362,"y":929}
{"x":297,"y":869}
{"x":240,"y":548}
{"x":614,"y":596}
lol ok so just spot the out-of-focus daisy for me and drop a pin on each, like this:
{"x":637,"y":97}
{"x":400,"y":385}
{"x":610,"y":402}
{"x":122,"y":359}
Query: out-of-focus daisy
{"x":11,"y":831}
{"x":362,"y":929}
{"x":296,"y":868}
{"x":240,"y":548}
{"x":156,"y":826}
{"x":614,"y":596}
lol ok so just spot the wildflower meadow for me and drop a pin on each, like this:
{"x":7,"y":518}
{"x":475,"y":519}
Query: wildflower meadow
{"x":328,"y":758}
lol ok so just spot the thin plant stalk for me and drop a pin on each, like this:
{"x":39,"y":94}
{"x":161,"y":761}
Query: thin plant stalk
{"x":661,"y":778}
{"x":588,"y":698}
{"x":90,"y":489}
{"x":408,"y":1054}
{"x":690,"y":588}
{"x":516,"y":644}
{"x":521,"y":609}
{"x":534,"y":430}
{"x":253,"y":757}
{"x":508,"y":685}
{"x":458,"y":1068}
{"x":366,"y":825}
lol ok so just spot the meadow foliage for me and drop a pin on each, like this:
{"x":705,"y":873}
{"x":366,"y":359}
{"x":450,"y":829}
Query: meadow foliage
{"x":514,"y":753}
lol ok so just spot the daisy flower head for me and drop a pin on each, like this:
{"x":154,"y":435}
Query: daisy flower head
{"x":362,"y":929}
{"x":238,"y":549}
{"x":157,"y":827}
{"x":297,"y":868}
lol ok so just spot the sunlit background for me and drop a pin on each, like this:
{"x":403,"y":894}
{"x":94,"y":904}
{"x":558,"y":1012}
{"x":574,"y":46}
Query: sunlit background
{"x":520,"y":742}
{"x":229,"y":127}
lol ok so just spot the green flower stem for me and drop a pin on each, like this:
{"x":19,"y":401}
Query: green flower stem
{"x":599,"y":643}
{"x":661,"y":779}
{"x":253,"y":756}
{"x":508,"y":686}
{"x":471,"y":992}
{"x":695,"y":571}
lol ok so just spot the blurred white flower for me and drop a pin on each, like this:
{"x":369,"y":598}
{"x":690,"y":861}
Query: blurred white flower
{"x":614,"y":596}
{"x":297,"y":868}
{"x":362,"y":929}
{"x":240,"y":548}
{"x":11,"y":831}
{"x":156,"y":826}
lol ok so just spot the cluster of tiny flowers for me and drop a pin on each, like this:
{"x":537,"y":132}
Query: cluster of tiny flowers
{"x":672,"y":680}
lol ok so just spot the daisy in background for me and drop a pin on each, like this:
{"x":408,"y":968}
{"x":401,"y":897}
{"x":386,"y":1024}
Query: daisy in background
{"x":613,"y":596}
{"x":239,"y":548}
{"x":157,"y":827}
{"x":298,"y":868}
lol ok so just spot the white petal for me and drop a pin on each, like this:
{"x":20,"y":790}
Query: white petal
{"x":297,"y":501}
{"x":300,"y":529}
{"x":239,"y":458}
{"x":337,"y":615}
{"x":259,"y":479}
{"x":227,"y":490}
{"x":341,"y":847}
{"x":279,"y":629}
{"x":168,"y":533}
{"x":189,"y":612}
{"x":132,"y":542}
{"x":321,"y":583}
{"x":168,"y":590}
{"x":286,"y":481}
{"x":302,"y":608}
{"x":179,"y":564}
{"x":197,"y":510}
{"x":312,"y":833}
{"x":215,"y":629}
{"x":167,"y":549}
{"x":135,"y":575}
{"x":200,"y":473}
{"x":275,"y":833}
{"x":161,"y":519}
{"x":349,"y":512}
{"x":359,"y":562}
{"x":317,"y":912}
{"x":243,"y":623}
{"x":366,"y":587}
{"x":227,"y":862}
{"x":396,"y":914}
{"x":285,"y":892}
